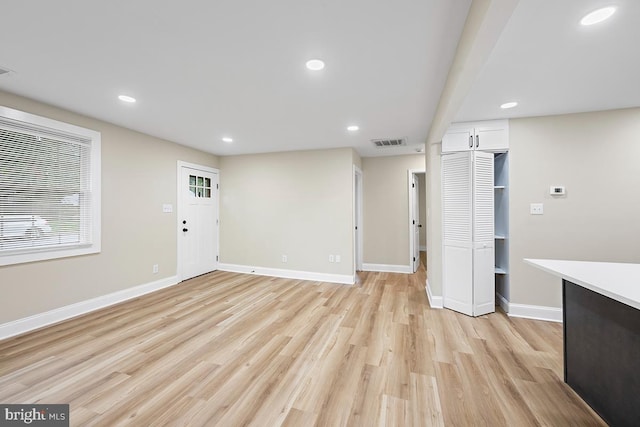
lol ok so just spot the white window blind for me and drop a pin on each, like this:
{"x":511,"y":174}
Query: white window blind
{"x":47,"y":188}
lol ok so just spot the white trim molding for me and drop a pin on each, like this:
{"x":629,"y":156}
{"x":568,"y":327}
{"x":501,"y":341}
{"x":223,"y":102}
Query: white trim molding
{"x":388,"y":268}
{"x":57,"y":315}
{"x":344,"y":279}
{"x":503,"y":302}
{"x":535,"y":312}
{"x":358,"y":223}
{"x":435,"y":301}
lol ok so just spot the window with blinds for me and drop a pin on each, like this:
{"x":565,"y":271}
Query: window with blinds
{"x":49,"y":188}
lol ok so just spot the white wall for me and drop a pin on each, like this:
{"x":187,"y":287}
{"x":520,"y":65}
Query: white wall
{"x":138,"y":176}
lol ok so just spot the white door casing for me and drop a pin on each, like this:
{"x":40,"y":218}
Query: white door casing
{"x":357,"y":218}
{"x":416,"y":223}
{"x":197,"y":215}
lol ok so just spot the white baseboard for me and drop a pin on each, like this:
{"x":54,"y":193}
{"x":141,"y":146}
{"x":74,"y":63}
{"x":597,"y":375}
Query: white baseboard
{"x":535,"y":312}
{"x":434,"y":301}
{"x":504,"y":303}
{"x":388,"y":268}
{"x":289,"y":274}
{"x":57,"y":315}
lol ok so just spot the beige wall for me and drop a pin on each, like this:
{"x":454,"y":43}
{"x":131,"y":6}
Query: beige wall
{"x":597,"y":157}
{"x":386,"y":208}
{"x":434,"y":219}
{"x":357,"y":161}
{"x":138,"y":176}
{"x":298,"y":204}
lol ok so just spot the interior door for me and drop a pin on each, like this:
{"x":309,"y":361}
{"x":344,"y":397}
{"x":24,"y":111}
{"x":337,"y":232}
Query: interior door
{"x":416,"y":222}
{"x":198,"y":222}
{"x":457,"y":230}
{"x":483,"y":235}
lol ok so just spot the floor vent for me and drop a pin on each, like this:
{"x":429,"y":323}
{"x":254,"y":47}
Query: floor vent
{"x":383,"y":143}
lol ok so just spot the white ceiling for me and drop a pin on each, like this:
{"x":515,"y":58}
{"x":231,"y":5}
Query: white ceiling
{"x":202,"y":70}
{"x":550,"y":64}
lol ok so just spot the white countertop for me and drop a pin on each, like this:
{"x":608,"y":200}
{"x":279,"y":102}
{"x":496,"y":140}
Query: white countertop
{"x":619,"y":281}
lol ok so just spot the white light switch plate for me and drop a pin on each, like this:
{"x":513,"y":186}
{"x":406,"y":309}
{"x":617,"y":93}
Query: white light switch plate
{"x":167,"y":208}
{"x":537,"y":209}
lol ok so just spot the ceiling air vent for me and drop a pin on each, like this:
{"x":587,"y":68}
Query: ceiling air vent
{"x":383,"y":143}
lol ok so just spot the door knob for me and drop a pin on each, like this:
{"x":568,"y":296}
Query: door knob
{"x":185,"y":230}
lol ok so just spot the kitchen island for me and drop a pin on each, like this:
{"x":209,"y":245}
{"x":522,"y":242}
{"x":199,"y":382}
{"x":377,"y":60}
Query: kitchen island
{"x":601,"y":316}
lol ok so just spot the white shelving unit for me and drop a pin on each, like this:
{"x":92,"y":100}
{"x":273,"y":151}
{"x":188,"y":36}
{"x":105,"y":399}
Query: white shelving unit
{"x":501,"y":225}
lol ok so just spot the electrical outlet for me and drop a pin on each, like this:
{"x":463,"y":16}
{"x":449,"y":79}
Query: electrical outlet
{"x":331,"y":258}
{"x":284,"y":258}
{"x":155,"y":268}
{"x":537,"y":209}
{"x":337,"y":258}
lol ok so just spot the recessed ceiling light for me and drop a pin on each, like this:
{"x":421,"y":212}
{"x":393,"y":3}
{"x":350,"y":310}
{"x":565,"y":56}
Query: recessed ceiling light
{"x":227,"y":139}
{"x":508,"y":105}
{"x":315,"y":64}
{"x":126,"y":98}
{"x":598,"y":15}
{"x":353,"y":128}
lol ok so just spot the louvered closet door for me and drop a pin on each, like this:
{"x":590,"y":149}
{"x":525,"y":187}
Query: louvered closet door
{"x":483,"y":235}
{"x":457,"y":254}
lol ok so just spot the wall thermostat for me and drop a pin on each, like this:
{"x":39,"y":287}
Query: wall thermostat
{"x":557,"y":190}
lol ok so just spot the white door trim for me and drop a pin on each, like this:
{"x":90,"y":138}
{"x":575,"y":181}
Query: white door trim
{"x":180,"y":165}
{"x":410,"y":174}
{"x":357,"y":219}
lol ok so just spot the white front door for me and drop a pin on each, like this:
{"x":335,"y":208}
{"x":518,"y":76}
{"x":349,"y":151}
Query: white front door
{"x":197,"y":221}
{"x":416,"y":222}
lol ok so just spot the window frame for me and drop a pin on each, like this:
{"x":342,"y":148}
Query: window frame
{"x":95,"y":173}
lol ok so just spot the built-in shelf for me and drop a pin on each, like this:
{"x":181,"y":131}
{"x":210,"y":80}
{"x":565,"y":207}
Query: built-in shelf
{"x":500,"y":271}
{"x":500,"y":237}
{"x":499,"y":187}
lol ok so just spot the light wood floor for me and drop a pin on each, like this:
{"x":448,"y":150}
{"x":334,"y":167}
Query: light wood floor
{"x":230,"y":349}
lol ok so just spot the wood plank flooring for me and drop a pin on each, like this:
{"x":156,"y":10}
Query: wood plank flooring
{"x":228,"y":349}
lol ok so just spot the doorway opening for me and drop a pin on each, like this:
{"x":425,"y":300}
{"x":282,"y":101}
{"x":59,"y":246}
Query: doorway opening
{"x":417,"y":218}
